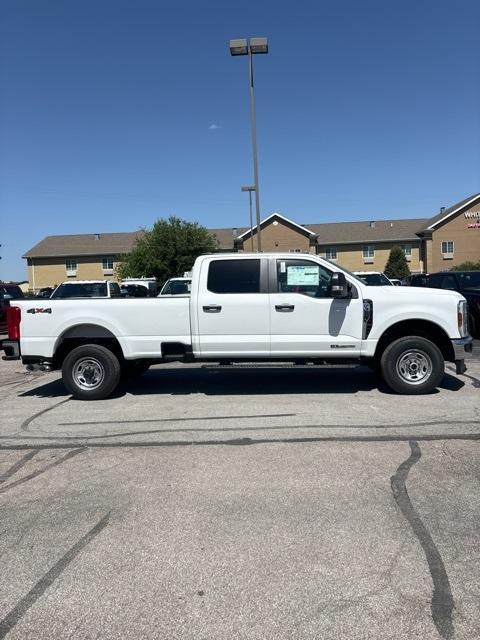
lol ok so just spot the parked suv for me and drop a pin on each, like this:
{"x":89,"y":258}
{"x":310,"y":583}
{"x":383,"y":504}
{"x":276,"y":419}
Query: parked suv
{"x":8,"y":292}
{"x":468,"y":284}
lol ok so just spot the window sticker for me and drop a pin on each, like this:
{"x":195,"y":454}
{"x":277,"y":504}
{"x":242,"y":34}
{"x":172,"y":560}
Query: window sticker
{"x":283,"y":267}
{"x":303,"y":275}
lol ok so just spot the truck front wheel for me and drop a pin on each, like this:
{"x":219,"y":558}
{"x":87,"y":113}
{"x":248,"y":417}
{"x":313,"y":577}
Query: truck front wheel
{"x":412,"y":365}
{"x":91,"y":372}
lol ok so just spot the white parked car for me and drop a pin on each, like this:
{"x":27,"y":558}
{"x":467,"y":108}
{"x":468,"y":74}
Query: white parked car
{"x":374,"y":278}
{"x":245,"y":308}
{"x":149,"y":283}
{"x":176,"y":287}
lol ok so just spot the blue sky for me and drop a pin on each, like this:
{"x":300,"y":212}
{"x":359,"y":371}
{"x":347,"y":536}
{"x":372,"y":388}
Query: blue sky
{"x":365,"y":110}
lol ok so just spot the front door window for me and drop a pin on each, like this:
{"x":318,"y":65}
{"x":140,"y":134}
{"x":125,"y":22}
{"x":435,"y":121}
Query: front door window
{"x":303,"y":276}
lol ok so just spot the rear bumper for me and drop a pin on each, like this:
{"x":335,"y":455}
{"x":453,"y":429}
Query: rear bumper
{"x":463,"y":350}
{"x":11,"y":348}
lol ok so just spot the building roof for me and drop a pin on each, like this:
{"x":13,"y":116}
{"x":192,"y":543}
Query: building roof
{"x":225,"y":237}
{"x":367,"y":231}
{"x":278,"y":217}
{"x":447,"y":213}
{"x":328,"y":233}
{"x":85,"y":244}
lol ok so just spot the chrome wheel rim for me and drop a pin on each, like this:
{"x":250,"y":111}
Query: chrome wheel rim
{"x":88,"y":373}
{"x":414,"y":366}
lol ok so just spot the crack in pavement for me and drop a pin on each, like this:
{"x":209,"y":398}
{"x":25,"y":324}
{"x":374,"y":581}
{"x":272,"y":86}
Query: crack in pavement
{"x":442,"y":603}
{"x":17,"y":613}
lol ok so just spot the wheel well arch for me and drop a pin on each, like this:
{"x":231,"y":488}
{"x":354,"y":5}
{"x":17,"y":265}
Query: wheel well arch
{"x":84,"y":333}
{"x":424,"y":328}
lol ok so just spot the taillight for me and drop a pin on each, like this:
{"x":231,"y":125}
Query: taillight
{"x":14,"y":315}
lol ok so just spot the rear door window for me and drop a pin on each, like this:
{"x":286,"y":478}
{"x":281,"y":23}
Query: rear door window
{"x":234,"y":276}
{"x":449,"y":282}
{"x":435,"y":281}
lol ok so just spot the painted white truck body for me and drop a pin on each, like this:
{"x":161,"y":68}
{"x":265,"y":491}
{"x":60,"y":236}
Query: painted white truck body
{"x":270,"y":324}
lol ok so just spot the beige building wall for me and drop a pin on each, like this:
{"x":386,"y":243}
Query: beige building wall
{"x":464,"y":230}
{"x":350,"y":256}
{"x":48,"y":272}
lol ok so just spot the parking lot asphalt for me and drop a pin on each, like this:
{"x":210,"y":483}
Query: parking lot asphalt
{"x":253,"y":503}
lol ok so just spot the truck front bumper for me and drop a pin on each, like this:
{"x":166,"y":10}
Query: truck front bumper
{"x":11,"y":349}
{"x":463,"y":349}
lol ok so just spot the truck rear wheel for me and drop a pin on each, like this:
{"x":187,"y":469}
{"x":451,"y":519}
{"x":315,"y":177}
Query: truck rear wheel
{"x":412,"y":365}
{"x":91,"y":372}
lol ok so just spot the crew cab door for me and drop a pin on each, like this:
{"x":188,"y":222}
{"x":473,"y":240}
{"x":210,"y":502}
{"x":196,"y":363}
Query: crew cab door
{"x":305,"y":319}
{"x":232,"y":308}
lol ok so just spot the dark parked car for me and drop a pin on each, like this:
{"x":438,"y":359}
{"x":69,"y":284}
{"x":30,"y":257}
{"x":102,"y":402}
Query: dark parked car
{"x":416,"y":280}
{"x":135,"y":291}
{"x":7,"y":292}
{"x":468,"y":284}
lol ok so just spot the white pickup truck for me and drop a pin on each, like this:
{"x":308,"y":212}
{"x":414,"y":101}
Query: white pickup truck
{"x":278,"y":308}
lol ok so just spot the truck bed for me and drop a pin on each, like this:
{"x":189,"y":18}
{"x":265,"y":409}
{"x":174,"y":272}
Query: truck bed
{"x":139,"y":324}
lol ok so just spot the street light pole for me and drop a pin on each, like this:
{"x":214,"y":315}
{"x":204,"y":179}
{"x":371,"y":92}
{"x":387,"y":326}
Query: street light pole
{"x":249,"y":47}
{"x":254,"y":148}
{"x":250,"y":189}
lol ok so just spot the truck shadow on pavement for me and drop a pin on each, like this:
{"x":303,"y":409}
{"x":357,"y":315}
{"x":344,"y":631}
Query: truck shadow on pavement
{"x":234,"y":382}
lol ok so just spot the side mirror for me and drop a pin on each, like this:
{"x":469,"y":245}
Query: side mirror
{"x":339,"y":285}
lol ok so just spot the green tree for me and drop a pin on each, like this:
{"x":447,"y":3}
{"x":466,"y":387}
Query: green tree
{"x":397,"y":265}
{"x":167,"y":250}
{"x":467,"y":266}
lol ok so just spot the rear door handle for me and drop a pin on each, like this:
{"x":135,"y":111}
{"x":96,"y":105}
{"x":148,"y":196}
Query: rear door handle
{"x":212,"y":308}
{"x":284,"y":308}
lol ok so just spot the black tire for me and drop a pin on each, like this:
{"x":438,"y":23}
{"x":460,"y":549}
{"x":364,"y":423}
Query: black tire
{"x":91,"y":372}
{"x":412,"y":365}
{"x":132,"y":369}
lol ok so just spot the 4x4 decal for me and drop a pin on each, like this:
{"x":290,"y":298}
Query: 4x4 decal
{"x":39,"y":310}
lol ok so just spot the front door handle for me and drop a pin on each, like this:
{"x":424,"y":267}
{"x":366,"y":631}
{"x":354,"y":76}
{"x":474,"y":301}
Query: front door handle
{"x":212,"y":308}
{"x":284,"y":308}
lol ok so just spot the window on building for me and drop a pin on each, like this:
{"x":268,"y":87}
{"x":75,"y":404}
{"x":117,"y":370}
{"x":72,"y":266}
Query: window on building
{"x":447,"y":248}
{"x":331,"y":253}
{"x":295,"y":250}
{"x":107,"y":263}
{"x":303,"y":276}
{"x":234,"y":276}
{"x":407,"y":250}
{"x":71,"y":266}
{"x":369,"y":252}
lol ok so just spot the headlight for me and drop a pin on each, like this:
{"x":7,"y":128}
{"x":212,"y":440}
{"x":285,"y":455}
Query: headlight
{"x":462,"y":317}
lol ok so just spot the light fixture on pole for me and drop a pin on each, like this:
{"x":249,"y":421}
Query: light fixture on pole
{"x":249,"y":47}
{"x":250,"y":189}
